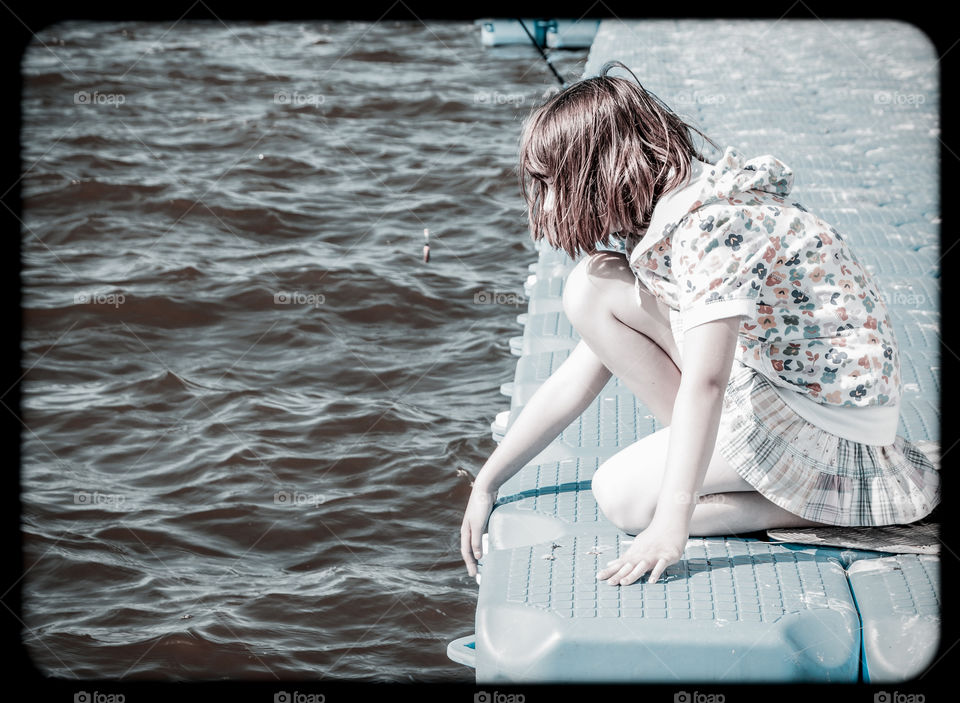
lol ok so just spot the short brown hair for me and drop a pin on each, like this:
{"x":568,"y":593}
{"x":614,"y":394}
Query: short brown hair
{"x":605,"y":146}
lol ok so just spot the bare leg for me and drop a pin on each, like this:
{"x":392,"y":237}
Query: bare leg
{"x":632,"y":338}
{"x":735,"y":513}
{"x":627,"y":487}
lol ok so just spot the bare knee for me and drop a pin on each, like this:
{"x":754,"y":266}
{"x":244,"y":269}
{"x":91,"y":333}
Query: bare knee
{"x":625,"y":508}
{"x":580,"y":294}
{"x":595,"y":282}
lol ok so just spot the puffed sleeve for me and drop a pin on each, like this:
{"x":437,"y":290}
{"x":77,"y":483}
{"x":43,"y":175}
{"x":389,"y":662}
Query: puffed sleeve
{"x":714,"y":258}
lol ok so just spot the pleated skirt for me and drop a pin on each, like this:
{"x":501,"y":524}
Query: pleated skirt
{"x":815,"y":474}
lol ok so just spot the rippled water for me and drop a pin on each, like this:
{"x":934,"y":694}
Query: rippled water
{"x":245,"y":394}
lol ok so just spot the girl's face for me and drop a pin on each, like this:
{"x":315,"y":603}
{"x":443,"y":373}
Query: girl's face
{"x":549,"y":200}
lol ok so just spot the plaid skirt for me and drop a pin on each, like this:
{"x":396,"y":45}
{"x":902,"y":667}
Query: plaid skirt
{"x":813,"y":473}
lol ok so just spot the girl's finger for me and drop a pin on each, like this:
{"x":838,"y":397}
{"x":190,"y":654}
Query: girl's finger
{"x":634,"y":574}
{"x":465,"y":551}
{"x":612,"y":567}
{"x":657,"y":570}
{"x":476,"y":541}
{"x":623,"y":571}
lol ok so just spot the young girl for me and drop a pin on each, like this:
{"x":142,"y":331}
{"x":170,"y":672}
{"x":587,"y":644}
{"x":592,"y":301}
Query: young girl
{"x":741,"y":320}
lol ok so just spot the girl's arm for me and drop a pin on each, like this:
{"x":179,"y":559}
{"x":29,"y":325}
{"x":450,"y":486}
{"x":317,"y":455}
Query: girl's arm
{"x":560,"y":400}
{"x":556,"y":403}
{"x":708,"y":358}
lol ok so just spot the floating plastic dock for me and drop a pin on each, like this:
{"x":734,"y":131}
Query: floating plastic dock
{"x":857,"y":121}
{"x":549,"y":33}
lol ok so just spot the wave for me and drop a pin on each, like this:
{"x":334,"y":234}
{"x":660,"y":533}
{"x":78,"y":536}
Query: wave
{"x":160,"y":365}
{"x":92,"y":191}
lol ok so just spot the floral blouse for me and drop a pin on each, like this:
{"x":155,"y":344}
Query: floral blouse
{"x":813,"y":320}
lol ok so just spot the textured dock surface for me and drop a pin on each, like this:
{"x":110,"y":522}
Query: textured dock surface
{"x":852,"y":108}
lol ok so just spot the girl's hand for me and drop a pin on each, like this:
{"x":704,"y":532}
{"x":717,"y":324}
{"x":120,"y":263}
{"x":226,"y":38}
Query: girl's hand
{"x":475,"y":519}
{"x":656,"y":548}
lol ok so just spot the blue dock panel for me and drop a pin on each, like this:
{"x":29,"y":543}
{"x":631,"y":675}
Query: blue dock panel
{"x":732,"y":610}
{"x":899,"y":602}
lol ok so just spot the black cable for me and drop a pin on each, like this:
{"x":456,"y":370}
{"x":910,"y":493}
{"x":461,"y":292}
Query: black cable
{"x":563,"y":83}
